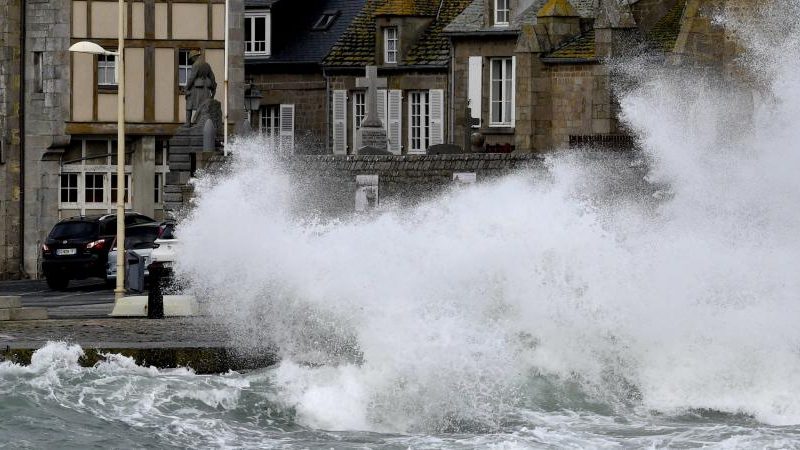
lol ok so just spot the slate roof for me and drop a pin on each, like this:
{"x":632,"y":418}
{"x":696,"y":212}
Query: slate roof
{"x":661,"y":37}
{"x":582,"y":47}
{"x":409,"y":8}
{"x":293,"y":38}
{"x":472,"y":20}
{"x":665,"y":32}
{"x":356,"y":47}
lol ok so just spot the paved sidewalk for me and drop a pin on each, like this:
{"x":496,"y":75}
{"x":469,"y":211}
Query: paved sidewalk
{"x":80,"y":315}
{"x":82,"y":299}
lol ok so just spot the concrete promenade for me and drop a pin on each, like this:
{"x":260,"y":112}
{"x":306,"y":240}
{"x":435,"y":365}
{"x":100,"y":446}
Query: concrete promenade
{"x":79,"y":315}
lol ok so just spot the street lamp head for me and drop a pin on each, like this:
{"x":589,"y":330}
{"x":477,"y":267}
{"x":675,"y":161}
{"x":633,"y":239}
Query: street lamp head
{"x":91,"y":48}
{"x":252,"y":98}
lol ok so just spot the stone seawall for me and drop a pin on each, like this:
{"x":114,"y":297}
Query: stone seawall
{"x":327,"y":183}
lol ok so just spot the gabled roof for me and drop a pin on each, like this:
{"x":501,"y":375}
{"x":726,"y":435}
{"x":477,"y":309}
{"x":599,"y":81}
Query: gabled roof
{"x":356,"y":47}
{"x":473,"y":18}
{"x":294,"y":39}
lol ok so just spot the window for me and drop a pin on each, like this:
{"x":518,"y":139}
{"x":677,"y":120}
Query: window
{"x":106,"y":70}
{"x":419,"y":122}
{"x":325,"y":21}
{"x":390,"y":45}
{"x":359,"y":114}
{"x":184,"y":67}
{"x":69,"y":188}
{"x":38,"y":72}
{"x":114,"y":188}
{"x":359,"y":109}
{"x":502,"y":92}
{"x":93,"y":191}
{"x":158,"y":187}
{"x":88,"y":175}
{"x":270,"y":123}
{"x":501,"y":12}
{"x":256,"y":33}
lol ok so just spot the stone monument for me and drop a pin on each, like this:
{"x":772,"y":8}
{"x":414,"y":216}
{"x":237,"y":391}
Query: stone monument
{"x":372,"y":133}
{"x":198,"y":137}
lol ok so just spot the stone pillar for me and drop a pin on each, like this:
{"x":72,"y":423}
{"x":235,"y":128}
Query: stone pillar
{"x":10,"y":66}
{"x":144,"y":166}
{"x":47,"y":31}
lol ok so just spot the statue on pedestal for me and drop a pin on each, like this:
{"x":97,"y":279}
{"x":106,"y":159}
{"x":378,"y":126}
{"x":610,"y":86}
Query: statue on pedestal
{"x":200,"y":87}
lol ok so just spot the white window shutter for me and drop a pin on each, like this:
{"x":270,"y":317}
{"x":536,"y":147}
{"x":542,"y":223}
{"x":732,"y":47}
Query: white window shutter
{"x":356,"y":134}
{"x":436,"y":97}
{"x":513,"y":90}
{"x":474,"y":85}
{"x":287,"y":128}
{"x":382,"y":106}
{"x":340,"y":122}
{"x":395,"y":113}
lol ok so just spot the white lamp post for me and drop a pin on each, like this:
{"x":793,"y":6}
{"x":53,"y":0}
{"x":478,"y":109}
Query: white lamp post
{"x":94,"y":49}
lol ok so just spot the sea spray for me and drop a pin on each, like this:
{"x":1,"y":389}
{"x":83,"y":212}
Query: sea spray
{"x":680,"y":301}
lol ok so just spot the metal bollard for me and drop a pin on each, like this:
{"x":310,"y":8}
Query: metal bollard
{"x":155,"y":296}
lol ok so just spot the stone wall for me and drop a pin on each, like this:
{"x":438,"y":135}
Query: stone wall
{"x":582,"y":102}
{"x":9,"y":135}
{"x":326,"y":184}
{"x":47,"y":32}
{"x":307,"y":91}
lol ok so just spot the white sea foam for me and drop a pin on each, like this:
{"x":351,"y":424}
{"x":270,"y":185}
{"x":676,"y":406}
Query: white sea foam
{"x":455,"y":303}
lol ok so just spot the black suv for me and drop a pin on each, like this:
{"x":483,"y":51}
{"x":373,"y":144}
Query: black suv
{"x":77,"y":247}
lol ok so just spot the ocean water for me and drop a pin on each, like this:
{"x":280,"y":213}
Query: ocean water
{"x":644,"y":301}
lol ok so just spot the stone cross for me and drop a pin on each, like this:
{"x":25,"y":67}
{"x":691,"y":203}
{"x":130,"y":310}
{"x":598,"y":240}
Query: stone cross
{"x":372,"y":83}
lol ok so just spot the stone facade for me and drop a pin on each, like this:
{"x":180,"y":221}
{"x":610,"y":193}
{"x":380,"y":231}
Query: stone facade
{"x":307,"y":91}
{"x":47,"y":33}
{"x":10,"y":139}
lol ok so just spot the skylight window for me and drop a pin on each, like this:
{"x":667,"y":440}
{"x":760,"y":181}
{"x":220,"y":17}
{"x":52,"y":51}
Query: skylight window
{"x":325,"y":21}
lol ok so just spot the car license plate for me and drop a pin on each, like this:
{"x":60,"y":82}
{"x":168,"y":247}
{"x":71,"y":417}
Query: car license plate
{"x":66,"y":251}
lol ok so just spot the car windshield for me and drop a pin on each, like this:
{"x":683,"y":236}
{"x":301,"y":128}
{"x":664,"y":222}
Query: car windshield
{"x":72,"y":230}
{"x":168,"y":232}
{"x":141,"y":237}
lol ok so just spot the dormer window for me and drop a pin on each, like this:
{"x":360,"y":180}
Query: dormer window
{"x":325,"y":21}
{"x":390,"y":41}
{"x":501,"y":12}
{"x":257,"y":26}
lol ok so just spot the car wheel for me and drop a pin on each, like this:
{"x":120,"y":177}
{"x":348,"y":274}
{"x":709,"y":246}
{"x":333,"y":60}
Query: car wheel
{"x":57,"y":283}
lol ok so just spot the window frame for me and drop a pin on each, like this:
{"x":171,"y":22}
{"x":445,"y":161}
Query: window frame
{"x":105,"y":169}
{"x":505,"y":10}
{"x":103,"y":66}
{"x":506,"y":101}
{"x":391,"y":56}
{"x":184,"y":68}
{"x":419,"y":121}
{"x":269,"y":125}
{"x":252,"y":15}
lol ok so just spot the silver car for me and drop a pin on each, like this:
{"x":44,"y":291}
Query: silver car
{"x":138,"y":239}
